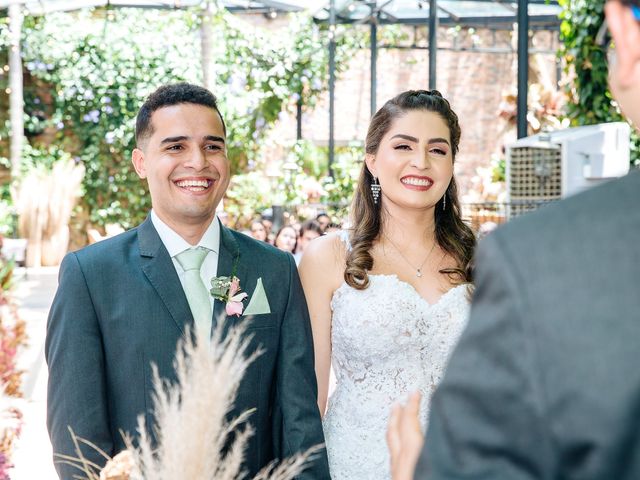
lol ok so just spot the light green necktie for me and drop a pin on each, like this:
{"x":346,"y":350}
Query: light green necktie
{"x":197,"y":295}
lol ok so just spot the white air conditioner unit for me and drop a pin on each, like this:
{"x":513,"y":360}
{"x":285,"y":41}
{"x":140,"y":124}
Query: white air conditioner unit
{"x":550,"y":166}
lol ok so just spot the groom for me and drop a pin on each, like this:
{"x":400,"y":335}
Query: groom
{"x":123,"y":303}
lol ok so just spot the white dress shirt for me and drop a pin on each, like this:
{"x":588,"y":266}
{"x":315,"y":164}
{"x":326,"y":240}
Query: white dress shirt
{"x":175,"y":244}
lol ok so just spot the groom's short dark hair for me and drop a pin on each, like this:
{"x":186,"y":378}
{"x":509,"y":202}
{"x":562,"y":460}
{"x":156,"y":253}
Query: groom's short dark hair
{"x":168,"y":95}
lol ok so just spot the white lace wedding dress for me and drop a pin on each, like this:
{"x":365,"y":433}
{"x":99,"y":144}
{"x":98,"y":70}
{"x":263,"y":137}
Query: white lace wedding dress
{"x":387,"y":341}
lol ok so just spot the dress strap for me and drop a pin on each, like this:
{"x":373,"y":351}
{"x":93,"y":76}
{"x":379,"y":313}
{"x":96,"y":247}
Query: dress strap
{"x":344,"y":236}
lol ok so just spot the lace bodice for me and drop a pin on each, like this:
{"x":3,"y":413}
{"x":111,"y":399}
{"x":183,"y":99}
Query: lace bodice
{"x":386,"y":342}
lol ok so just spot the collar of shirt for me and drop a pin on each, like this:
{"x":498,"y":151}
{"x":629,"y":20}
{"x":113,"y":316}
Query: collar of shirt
{"x":175,"y":244}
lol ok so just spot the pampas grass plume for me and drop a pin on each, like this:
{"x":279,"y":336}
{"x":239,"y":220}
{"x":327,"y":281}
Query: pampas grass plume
{"x":191,"y":425}
{"x":190,"y":416}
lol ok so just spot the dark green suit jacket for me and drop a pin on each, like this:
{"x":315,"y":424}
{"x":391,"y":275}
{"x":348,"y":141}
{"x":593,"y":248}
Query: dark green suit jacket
{"x":120,"y":306}
{"x":545,"y":381}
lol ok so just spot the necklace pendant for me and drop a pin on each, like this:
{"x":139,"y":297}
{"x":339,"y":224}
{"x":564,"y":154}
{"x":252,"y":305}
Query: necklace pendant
{"x":418,"y":273}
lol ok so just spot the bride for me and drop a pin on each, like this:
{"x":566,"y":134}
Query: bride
{"x":389,"y":298}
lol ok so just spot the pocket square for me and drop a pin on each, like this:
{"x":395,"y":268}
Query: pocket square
{"x":258,"y":303}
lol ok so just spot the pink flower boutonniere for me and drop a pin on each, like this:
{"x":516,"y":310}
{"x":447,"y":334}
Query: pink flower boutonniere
{"x":227,"y":289}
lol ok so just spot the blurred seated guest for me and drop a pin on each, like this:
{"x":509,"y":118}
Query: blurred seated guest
{"x":286,"y":239}
{"x":308,"y":231}
{"x":323,"y":219}
{"x":258,"y":231}
{"x":267,"y":220}
{"x":332,"y":227}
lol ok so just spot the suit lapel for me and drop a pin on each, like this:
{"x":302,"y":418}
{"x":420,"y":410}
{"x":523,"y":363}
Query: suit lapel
{"x":158,"y":268}
{"x":230,"y":262}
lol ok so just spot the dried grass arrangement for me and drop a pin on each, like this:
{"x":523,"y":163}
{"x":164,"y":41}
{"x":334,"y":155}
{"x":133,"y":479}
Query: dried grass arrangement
{"x":191,"y":425}
{"x":45,"y":199}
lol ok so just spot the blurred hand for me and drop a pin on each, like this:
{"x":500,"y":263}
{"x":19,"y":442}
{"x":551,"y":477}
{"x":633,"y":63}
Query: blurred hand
{"x":405,"y":438}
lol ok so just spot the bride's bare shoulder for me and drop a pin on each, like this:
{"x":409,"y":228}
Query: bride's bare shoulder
{"x":332,"y":245}
{"x":326,"y":255}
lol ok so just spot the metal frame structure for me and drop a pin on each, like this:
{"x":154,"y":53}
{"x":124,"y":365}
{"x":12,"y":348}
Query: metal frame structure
{"x":41,"y":7}
{"x":472,"y":13}
{"x":527,"y":15}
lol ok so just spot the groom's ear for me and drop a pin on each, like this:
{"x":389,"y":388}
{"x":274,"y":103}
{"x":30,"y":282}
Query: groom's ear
{"x":370,"y":161}
{"x":137,"y":158}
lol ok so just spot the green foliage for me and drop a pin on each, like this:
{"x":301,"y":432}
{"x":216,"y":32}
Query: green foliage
{"x":94,"y":83}
{"x":498,"y":169}
{"x":43,"y":158}
{"x":4,"y":83}
{"x":339,"y":189}
{"x":267,"y":73}
{"x":8,"y":218}
{"x":247,"y":196}
{"x":309,"y":157}
{"x":83,"y":93}
{"x":590,"y":100}
{"x":297,"y":187}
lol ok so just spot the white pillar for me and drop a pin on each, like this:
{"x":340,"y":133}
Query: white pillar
{"x":206,"y":41}
{"x":16,"y":104}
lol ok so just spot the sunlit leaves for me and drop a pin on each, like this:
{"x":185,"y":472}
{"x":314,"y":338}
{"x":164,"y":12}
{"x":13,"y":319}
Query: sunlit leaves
{"x":590,"y":100}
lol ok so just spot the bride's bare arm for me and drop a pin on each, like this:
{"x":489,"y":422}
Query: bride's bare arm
{"x":321,"y":270}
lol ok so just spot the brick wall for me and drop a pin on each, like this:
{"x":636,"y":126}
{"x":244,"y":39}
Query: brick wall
{"x":472,"y":81}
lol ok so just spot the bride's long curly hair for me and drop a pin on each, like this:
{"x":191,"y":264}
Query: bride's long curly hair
{"x":451,"y":233}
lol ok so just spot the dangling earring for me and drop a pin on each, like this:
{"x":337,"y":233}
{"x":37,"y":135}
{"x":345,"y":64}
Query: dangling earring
{"x":444,"y":202}
{"x":375,"y":190}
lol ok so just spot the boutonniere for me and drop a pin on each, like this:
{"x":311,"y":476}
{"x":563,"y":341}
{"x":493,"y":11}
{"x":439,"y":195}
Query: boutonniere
{"x":227,"y":289}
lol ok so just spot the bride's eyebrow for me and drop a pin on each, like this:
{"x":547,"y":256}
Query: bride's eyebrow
{"x":415,"y":140}
{"x":405,"y":137}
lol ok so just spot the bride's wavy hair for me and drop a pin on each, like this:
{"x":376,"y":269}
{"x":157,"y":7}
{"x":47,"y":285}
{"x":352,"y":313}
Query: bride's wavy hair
{"x":452,"y":234}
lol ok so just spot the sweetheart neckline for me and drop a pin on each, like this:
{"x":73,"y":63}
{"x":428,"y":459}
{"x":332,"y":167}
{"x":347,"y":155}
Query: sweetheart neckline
{"x":407,"y":285}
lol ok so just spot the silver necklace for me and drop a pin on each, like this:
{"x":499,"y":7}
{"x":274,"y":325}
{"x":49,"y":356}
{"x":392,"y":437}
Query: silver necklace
{"x":419,"y":269}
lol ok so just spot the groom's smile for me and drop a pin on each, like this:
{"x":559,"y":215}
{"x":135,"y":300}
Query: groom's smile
{"x":195,"y":185}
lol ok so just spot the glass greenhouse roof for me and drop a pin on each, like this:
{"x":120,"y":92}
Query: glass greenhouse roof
{"x":39,"y":7}
{"x":487,"y":13}
{"x":496,"y":13}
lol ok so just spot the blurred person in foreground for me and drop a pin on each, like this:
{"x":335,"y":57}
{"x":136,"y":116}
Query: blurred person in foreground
{"x":123,"y":303}
{"x":545,"y":383}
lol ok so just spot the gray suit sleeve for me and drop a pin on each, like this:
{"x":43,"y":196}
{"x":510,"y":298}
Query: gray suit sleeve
{"x":76,"y":395}
{"x":299,"y":426}
{"x":487,"y":417}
